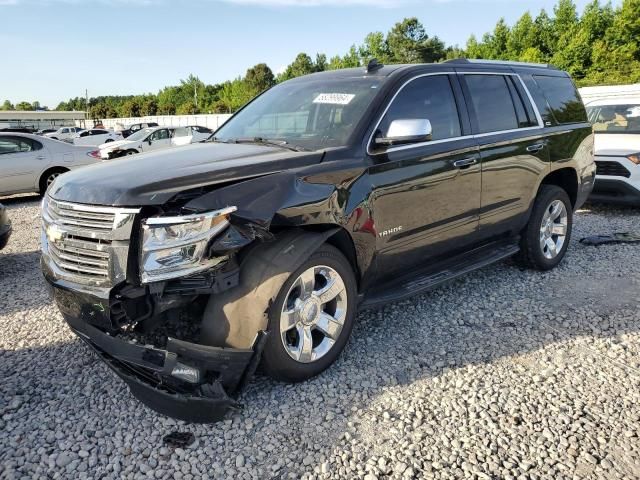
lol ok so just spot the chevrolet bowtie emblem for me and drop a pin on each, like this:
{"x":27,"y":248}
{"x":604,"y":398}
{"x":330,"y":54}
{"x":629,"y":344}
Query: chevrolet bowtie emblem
{"x":54,"y":234}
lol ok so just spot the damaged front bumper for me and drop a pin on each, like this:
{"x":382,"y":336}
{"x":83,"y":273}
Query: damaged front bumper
{"x":156,"y":376}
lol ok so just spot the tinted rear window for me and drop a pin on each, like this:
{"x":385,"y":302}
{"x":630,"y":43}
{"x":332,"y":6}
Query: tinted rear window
{"x":492,"y":102}
{"x":563,"y":98}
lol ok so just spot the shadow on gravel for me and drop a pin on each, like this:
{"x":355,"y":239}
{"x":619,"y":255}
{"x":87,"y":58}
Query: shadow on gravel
{"x":22,"y":286}
{"x":19,"y":200}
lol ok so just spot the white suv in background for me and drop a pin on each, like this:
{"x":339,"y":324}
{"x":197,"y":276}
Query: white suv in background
{"x":616,"y":123}
{"x":64,"y":133}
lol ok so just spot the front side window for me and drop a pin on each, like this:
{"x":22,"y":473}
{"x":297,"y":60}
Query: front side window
{"x":161,"y":134}
{"x":312,"y":114}
{"x":493,"y":103}
{"x":139,"y":135}
{"x":623,"y":118}
{"x":429,"y":98}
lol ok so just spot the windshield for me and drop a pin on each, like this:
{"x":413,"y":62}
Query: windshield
{"x":615,"y":118}
{"x":311,"y":114}
{"x":139,"y":135}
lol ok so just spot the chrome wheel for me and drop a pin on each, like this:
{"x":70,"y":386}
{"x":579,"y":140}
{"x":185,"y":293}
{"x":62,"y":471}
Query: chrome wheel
{"x":52,"y":177}
{"x":313,"y":314}
{"x":553,"y":231}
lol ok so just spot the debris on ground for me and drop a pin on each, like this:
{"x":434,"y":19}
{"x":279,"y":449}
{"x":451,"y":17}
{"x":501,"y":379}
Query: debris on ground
{"x":614,"y":238}
{"x":179,"y":439}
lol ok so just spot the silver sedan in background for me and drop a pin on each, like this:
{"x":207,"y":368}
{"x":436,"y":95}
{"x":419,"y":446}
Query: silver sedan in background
{"x":30,"y":163}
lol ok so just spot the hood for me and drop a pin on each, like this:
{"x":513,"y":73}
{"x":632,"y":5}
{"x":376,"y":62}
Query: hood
{"x":616,"y":144}
{"x":153,"y":178}
{"x":115,"y":144}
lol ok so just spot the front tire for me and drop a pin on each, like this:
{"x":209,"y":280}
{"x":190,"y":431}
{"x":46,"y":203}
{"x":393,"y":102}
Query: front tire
{"x":311,"y":318}
{"x":546,"y":237}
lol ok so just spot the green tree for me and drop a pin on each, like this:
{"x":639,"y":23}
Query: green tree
{"x":233,"y":95}
{"x":259,"y":78}
{"x":7,"y":105}
{"x":408,"y":42}
{"x":26,"y":106}
{"x":522,"y":37}
{"x":350,"y":60}
{"x":375,"y":46}
{"x":302,"y":65}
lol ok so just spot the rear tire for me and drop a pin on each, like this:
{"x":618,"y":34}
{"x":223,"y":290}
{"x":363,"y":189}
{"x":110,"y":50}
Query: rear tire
{"x":303,"y":325}
{"x":546,"y":237}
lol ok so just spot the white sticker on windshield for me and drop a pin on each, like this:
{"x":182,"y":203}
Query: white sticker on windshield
{"x":335,"y":98}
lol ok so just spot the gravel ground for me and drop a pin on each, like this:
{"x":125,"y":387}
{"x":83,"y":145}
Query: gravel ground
{"x":503,"y":374}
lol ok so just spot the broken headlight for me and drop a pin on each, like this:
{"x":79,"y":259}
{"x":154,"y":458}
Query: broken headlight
{"x":175,"y":246}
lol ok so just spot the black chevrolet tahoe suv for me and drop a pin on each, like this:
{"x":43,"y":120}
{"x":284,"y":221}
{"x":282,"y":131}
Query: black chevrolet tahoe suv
{"x":186,"y":269}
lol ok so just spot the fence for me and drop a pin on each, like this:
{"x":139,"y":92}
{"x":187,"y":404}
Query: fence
{"x":210,"y":121}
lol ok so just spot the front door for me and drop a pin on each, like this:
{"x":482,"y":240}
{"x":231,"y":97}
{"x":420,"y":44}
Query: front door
{"x":158,"y":140}
{"x":425,"y":197}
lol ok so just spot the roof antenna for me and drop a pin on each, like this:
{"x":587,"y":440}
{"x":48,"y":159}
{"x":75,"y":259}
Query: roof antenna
{"x":374,"y":65}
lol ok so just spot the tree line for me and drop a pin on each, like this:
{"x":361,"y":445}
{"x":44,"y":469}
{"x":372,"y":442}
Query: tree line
{"x":600,"y":45}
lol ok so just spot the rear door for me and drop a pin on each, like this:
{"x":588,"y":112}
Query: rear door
{"x":425,"y":197}
{"x":21,"y":160}
{"x":513,"y":149}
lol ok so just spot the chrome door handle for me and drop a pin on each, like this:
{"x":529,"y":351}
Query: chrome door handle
{"x":535,"y":148}
{"x":40,"y":157}
{"x":465,"y":162}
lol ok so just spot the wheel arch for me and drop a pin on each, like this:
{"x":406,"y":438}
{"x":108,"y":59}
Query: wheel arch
{"x":565,"y":178}
{"x":48,"y":171}
{"x":229,"y":321}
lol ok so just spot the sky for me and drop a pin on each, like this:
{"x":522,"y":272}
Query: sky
{"x":55,"y":49}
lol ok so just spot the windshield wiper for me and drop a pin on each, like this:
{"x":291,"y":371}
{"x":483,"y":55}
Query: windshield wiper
{"x":264,"y":141}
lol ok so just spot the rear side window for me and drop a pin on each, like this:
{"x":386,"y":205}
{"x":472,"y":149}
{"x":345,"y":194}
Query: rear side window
{"x":18,"y":145}
{"x":428,"y":98}
{"x":493,"y":103}
{"x":563,"y":98}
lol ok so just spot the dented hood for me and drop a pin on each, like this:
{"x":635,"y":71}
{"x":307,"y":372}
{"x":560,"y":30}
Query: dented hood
{"x":155,"y":177}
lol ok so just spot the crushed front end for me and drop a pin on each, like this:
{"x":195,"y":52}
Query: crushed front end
{"x":133,"y":284}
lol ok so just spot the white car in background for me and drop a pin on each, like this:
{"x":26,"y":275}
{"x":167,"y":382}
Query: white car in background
{"x":154,"y":138}
{"x":191,"y":134}
{"x":616,"y":123}
{"x":30,"y":163}
{"x":96,"y":136}
{"x":64,"y":133}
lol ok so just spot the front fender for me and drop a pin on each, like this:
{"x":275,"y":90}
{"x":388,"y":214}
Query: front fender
{"x":234,"y":317}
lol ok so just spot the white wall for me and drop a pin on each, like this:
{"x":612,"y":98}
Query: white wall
{"x":589,"y":94}
{"x":211,"y":121}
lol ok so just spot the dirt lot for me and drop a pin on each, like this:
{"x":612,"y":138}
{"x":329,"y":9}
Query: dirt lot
{"x":502,"y":374}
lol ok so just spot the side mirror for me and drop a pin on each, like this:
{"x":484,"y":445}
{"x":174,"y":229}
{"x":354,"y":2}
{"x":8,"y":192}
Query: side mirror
{"x":149,"y":140}
{"x":405,"y":132}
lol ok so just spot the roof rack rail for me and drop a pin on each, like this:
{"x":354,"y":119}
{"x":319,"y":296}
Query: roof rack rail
{"x":500,"y":62}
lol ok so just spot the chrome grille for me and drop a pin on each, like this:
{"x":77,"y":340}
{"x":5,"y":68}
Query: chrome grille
{"x":82,"y":257}
{"x":86,"y":244}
